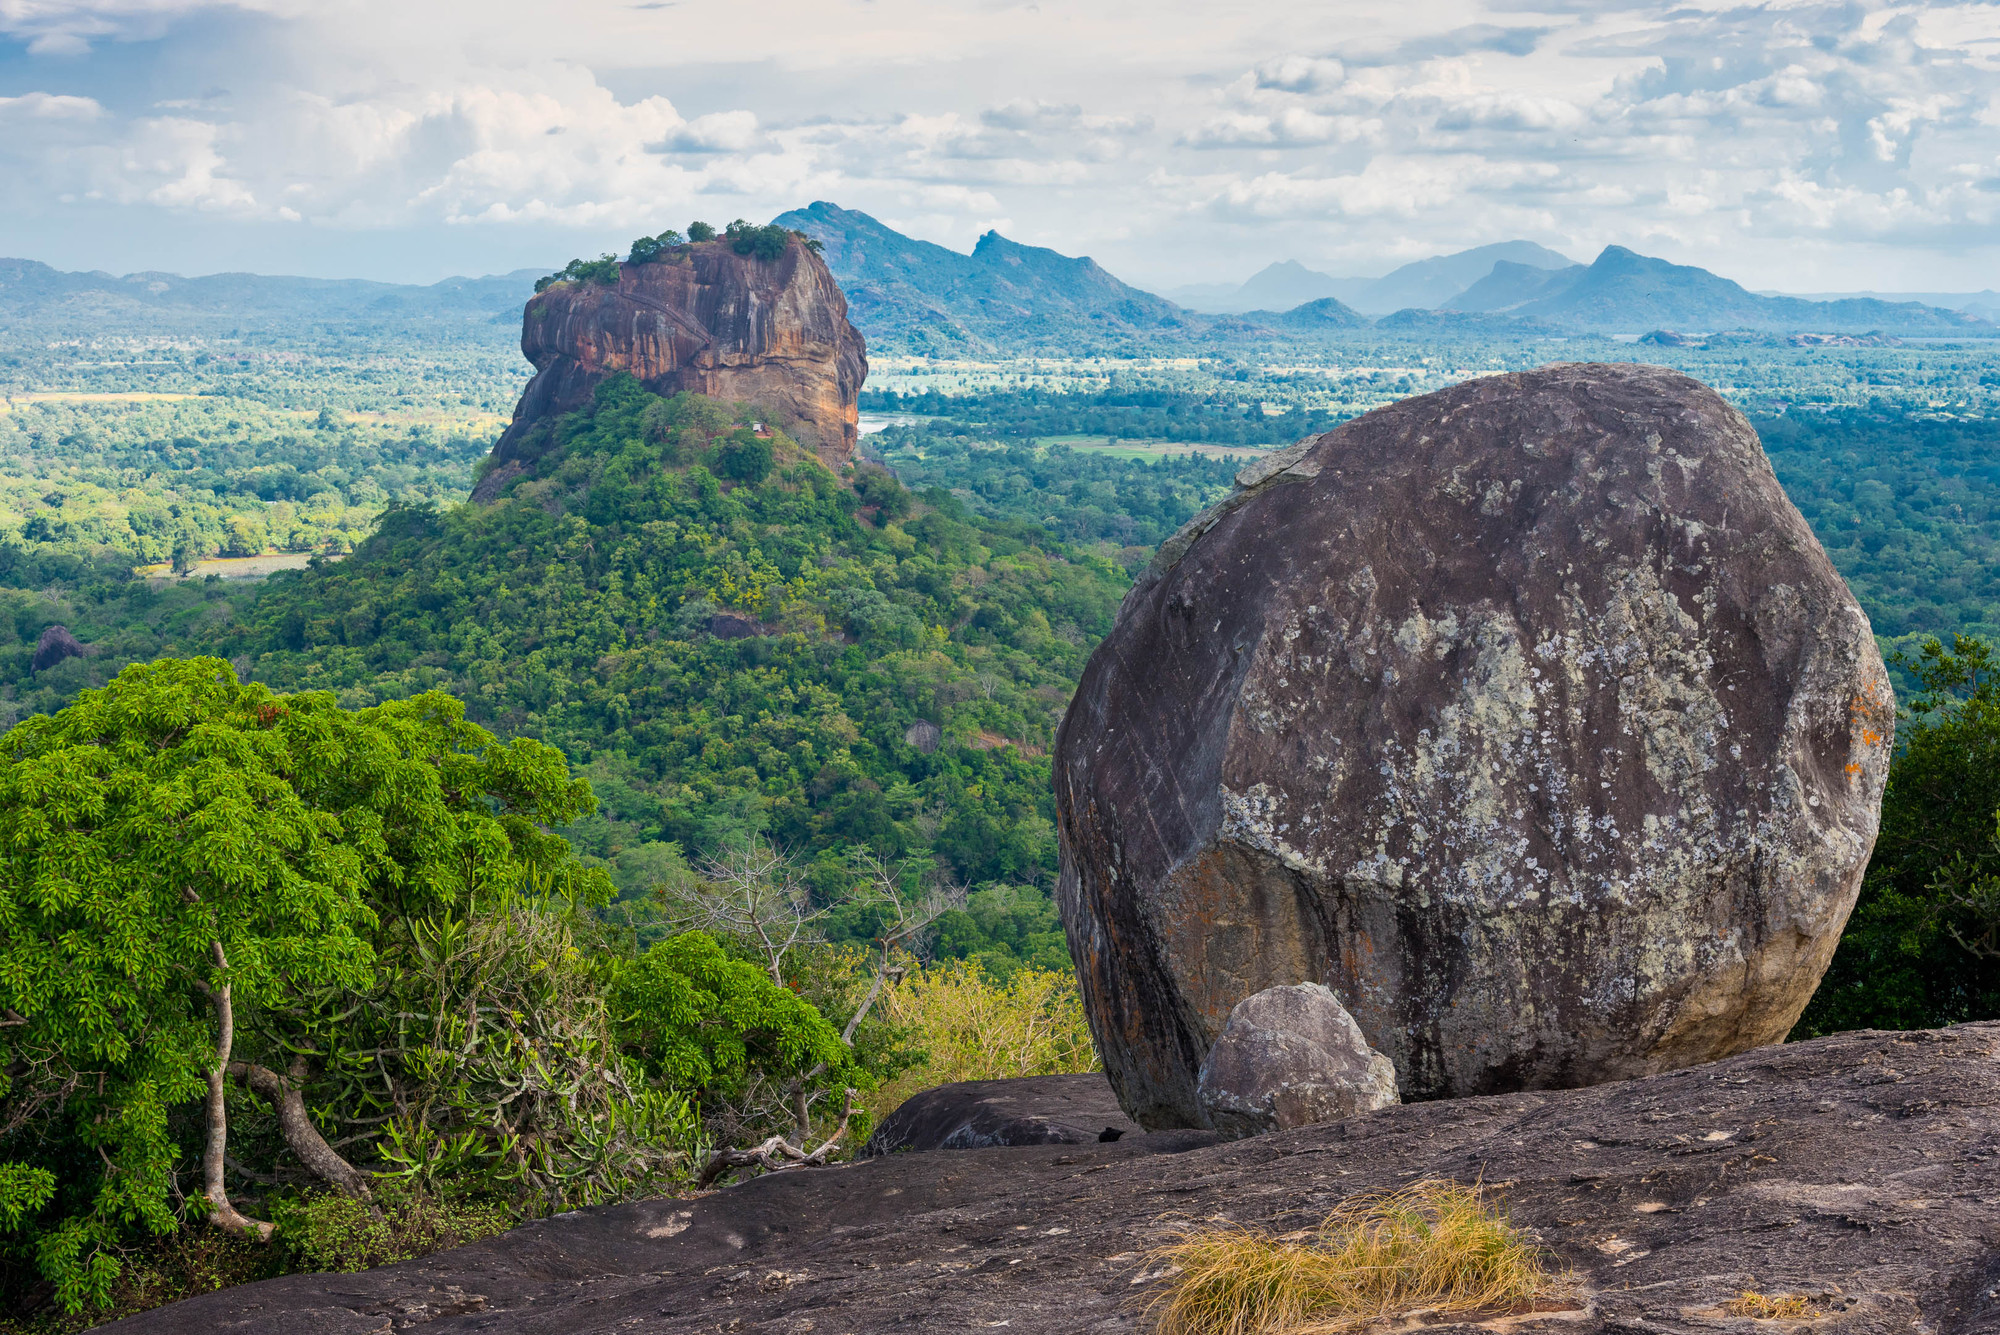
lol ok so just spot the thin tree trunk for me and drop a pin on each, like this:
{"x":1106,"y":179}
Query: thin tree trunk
{"x":300,"y":1134}
{"x":224,"y":1215}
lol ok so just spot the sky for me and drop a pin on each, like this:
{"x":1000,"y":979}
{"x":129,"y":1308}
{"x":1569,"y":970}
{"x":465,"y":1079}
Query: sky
{"x":1799,"y":146}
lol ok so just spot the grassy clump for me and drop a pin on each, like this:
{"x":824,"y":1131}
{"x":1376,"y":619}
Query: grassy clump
{"x":1769,"y":1306}
{"x":971,"y":1027}
{"x":1435,"y":1245}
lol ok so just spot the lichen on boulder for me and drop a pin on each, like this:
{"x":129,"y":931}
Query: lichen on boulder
{"x":1528,"y":716}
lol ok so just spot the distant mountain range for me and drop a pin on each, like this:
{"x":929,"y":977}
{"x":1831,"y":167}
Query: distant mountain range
{"x":1626,"y":292}
{"x":1422,"y":283}
{"x":914,"y":296}
{"x":926,"y":298}
{"x":151,"y":302}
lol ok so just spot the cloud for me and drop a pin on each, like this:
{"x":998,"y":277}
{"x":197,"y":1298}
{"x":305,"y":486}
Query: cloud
{"x":1301,"y":74}
{"x":51,"y":107}
{"x":1209,"y":136}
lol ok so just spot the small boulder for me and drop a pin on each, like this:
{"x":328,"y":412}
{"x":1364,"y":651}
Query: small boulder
{"x":923,"y":735}
{"x":1291,"y":1056}
{"x":56,"y":645}
{"x":982,"y":1114}
{"x":731,"y":626}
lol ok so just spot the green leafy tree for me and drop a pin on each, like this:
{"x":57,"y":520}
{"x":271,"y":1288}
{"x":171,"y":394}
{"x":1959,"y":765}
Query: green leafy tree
{"x":180,"y":848}
{"x":1923,"y":946}
{"x":743,"y":456}
{"x":699,"y":232}
{"x":700,"y":1019}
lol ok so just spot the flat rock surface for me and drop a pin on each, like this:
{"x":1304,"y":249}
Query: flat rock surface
{"x":983,"y":1114}
{"x":1862,"y":1170}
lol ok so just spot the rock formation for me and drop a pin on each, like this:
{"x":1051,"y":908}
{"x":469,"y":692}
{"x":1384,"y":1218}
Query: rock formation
{"x":982,"y":1114}
{"x":56,"y":645}
{"x":1527,"y":716}
{"x":1855,"y":1171}
{"x":701,"y":317}
{"x":1291,"y":1056}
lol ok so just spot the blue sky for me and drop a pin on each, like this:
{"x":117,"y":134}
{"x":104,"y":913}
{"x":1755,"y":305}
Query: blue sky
{"x":1804,"y":146}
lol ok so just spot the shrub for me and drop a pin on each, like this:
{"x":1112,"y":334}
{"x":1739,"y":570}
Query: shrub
{"x":1434,"y":1245}
{"x":333,"y":1233}
{"x":766,"y":243}
{"x":970,"y":1027}
{"x":603,"y":269}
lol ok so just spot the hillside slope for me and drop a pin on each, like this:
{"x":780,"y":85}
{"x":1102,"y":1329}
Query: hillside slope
{"x":725,"y":655}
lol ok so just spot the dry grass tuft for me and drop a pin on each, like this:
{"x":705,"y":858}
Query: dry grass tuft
{"x":1436,"y":1246}
{"x":1769,"y":1306}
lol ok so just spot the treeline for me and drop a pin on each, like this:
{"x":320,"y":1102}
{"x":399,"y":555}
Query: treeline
{"x":1908,"y":508}
{"x":145,"y":482}
{"x":1138,"y":413}
{"x":1081,"y":496}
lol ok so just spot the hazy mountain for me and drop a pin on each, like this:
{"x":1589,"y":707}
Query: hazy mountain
{"x":1625,"y":292}
{"x":1323,"y":315}
{"x":1275,"y":287}
{"x":1425,"y":284}
{"x":915,"y":295}
{"x":163,"y":302}
{"x":1510,"y":285}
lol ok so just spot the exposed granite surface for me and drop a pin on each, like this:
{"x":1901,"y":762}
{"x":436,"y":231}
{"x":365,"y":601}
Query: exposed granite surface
{"x":1860,"y":1170}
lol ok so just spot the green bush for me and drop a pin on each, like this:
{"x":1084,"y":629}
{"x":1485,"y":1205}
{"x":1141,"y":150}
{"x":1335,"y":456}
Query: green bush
{"x":325,"y":1232}
{"x":1922,"y":948}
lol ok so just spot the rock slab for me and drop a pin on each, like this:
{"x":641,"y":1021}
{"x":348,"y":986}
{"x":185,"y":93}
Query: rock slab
{"x":773,"y":333}
{"x":1291,"y":1056}
{"x":1528,"y":716}
{"x":1857,"y":1171}
{"x":983,"y":1114}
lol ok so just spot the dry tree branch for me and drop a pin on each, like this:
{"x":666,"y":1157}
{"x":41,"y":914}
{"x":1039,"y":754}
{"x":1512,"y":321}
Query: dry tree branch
{"x":776,"y":1153}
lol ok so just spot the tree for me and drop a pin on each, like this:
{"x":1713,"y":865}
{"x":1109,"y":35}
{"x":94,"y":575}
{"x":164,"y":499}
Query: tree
{"x":743,"y":456}
{"x":180,"y":848}
{"x":699,"y":232}
{"x":1920,"y":949}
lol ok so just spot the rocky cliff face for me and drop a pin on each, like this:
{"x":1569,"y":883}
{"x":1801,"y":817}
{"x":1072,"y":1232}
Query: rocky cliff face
{"x":1529,"y":717}
{"x":703,"y":318}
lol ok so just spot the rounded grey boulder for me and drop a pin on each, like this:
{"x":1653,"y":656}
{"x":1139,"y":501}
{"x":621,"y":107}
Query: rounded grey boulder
{"x":1291,"y":1056}
{"x":1528,"y":716}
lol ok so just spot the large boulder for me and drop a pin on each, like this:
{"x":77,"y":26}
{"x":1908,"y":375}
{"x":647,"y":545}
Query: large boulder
{"x":1291,"y":1056}
{"x":1528,"y":716}
{"x":770,"y":332}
